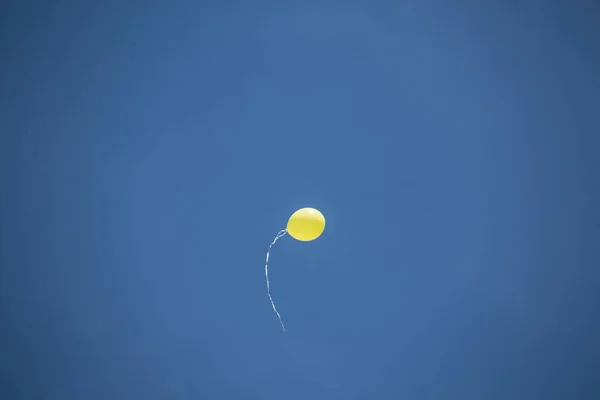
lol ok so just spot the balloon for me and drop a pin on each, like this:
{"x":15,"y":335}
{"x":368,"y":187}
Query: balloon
{"x":306,"y":224}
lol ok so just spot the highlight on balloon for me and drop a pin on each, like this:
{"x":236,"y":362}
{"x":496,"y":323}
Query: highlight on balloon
{"x":305,"y":225}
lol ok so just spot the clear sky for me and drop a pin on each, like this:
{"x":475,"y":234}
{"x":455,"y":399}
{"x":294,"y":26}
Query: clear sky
{"x":150,"y":151}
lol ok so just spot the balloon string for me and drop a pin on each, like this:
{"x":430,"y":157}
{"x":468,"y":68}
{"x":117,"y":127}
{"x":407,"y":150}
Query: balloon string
{"x":279,"y":235}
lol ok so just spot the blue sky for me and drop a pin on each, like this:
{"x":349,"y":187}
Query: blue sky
{"x":150,"y":151}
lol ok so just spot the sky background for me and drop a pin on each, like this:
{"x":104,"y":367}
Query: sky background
{"x":151,"y":150}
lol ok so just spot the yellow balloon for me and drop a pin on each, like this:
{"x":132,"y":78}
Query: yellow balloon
{"x":306,"y":224}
